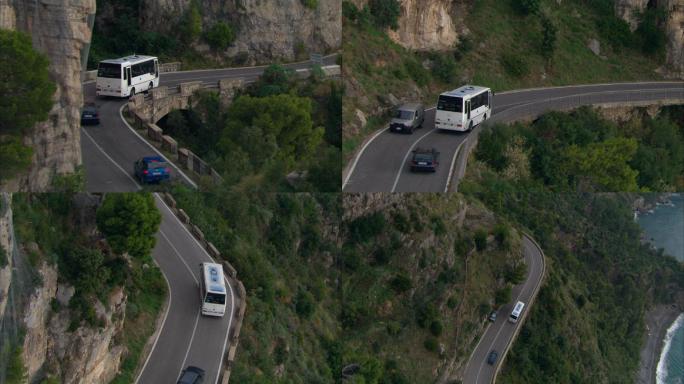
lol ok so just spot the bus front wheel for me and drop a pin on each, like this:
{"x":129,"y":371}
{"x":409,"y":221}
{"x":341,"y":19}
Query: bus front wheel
{"x":151,"y":86}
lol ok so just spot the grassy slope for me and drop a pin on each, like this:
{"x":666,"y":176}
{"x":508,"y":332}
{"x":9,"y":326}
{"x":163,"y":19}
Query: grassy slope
{"x":587,"y":324}
{"x":286,"y":244}
{"x":380,"y":66}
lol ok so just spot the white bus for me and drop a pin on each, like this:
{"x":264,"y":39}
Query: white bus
{"x":213,"y":288}
{"x":463,"y":108}
{"x":517,"y":310}
{"x":127,"y":76}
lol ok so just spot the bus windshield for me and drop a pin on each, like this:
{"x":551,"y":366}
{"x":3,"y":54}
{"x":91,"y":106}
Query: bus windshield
{"x":215,"y":298}
{"x":112,"y":71}
{"x":450,"y":103}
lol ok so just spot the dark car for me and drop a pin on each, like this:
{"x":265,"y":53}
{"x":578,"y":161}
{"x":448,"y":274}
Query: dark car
{"x":152,"y":169}
{"x":492,"y":316}
{"x":407,"y":118}
{"x":425,"y":160}
{"x":491,"y":359}
{"x":90,"y":116}
{"x":191,"y":375}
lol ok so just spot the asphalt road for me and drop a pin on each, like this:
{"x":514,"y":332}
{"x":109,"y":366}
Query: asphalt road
{"x":186,"y":337}
{"x":500,"y":334}
{"x":110,"y":149}
{"x":382,"y":165}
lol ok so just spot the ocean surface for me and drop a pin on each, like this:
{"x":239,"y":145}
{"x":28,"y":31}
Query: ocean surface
{"x":665,"y":226}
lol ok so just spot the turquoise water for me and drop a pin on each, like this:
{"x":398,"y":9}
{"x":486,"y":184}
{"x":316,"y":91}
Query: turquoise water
{"x":665,"y":226}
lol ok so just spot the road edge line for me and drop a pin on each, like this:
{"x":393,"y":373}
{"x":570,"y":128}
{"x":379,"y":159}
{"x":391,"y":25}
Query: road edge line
{"x":403,"y":162}
{"x":584,"y":85}
{"x":453,"y":163}
{"x":189,"y":180}
{"x":529,"y":305}
{"x":232,"y":294}
{"x":157,"y":330}
{"x":83,"y":130}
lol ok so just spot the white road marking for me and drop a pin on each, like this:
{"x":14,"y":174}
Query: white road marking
{"x":586,"y":85}
{"x":110,"y":159}
{"x":403,"y":162}
{"x":358,"y":155}
{"x":194,"y":185}
{"x":453,"y":162}
{"x":232,"y":294}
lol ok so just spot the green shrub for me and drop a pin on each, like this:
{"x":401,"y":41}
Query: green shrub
{"x":385,"y":13}
{"x":480,"y":240}
{"x":444,"y":67}
{"x":220,"y":36}
{"x":349,"y":11}
{"x":401,"y":222}
{"x":502,"y":235}
{"x":652,"y":36}
{"x":548,"y":43}
{"x":426,"y":313}
{"x":431,"y":344}
{"x":416,"y":71}
{"x":514,"y":65}
{"x":436,"y":328}
{"x":191,"y":24}
{"x":311,"y":4}
{"x":401,"y":283}
{"x":616,"y":31}
{"x":503,"y":295}
{"x":16,"y":370}
{"x":452,"y":302}
{"x":129,"y":221}
{"x":526,"y":7}
{"x":304,"y":304}
{"x":367,"y":227}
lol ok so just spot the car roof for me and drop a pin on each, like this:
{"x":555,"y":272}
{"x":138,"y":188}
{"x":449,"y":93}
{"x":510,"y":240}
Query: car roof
{"x":149,"y":159}
{"x":425,"y":150}
{"x":410,"y":107}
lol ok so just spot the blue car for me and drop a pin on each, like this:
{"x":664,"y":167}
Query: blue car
{"x":90,"y":116}
{"x":152,"y":169}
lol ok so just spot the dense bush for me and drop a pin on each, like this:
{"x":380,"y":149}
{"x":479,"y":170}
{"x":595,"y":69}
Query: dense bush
{"x":220,"y":36}
{"x":129,"y":221}
{"x":526,"y":7}
{"x":311,"y":4}
{"x":548,"y":42}
{"x":385,"y":13}
{"x":401,"y":283}
{"x":652,"y":35}
{"x":444,"y":67}
{"x":304,"y":304}
{"x":366,"y":227}
{"x":480,"y":239}
{"x":431,"y":344}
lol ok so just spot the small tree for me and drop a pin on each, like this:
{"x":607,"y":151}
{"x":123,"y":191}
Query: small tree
{"x":480,"y":240}
{"x":220,"y":36}
{"x":548,"y":44}
{"x":191,"y":24}
{"x":129,"y":222}
{"x":304,"y":304}
{"x":385,"y":13}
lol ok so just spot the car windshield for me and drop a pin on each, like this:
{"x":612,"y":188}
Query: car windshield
{"x":188,"y":378}
{"x":156,"y":165}
{"x":403,"y":115}
{"x":450,"y":103}
{"x":422,"y":157}
{"x":215,"y":298}
{"x":112,"y":71}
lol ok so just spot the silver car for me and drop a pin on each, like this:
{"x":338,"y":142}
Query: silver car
{"x":407,"y":118}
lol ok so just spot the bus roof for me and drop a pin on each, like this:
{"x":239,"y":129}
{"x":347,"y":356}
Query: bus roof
{"x":465,"y":91}
{"x":213,"y":277}
{"x":132,"y":59}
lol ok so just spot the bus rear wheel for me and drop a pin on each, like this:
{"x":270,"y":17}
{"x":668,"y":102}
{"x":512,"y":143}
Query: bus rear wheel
{"x":470,"y":126}
{"x":151,"y":86}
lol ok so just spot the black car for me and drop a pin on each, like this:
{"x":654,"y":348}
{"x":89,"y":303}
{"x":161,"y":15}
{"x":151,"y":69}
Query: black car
{"x":90,"y":116}
{"x":491,"y":359}
{"x":425,"y":160}
{"x":191,"y":375}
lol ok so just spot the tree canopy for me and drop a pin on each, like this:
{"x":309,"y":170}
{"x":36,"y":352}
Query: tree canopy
{"x":129,"y":222}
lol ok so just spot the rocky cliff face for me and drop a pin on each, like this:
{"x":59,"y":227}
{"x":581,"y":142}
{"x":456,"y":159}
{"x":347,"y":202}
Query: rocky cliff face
{"x":266,"y":30}
{"x":428,"y":24}
{"x":59,"y":29}
{"x":6,"y":240}
{"x":85,"y":355}
{"x":629,"y":10}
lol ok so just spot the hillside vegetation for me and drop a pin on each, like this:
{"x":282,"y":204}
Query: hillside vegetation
{"x":512,"y":44}
{"x":588,"y":322}
{"x":276,"y":125}
{"x":407,"y":279}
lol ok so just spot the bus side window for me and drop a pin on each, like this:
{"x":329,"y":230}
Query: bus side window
{"x":468,"y":108}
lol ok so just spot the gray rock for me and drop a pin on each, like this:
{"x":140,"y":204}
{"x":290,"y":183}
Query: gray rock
{"x":595,"y":46}
{"x":64,"y":294}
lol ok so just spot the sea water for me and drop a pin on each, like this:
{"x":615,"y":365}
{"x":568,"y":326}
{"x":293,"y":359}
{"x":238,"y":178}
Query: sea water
{"x":665,"y":227}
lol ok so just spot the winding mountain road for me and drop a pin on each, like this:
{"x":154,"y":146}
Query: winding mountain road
{"x":109,"y":151}
{"x":381,"y":164}
{"x":499,"y":335}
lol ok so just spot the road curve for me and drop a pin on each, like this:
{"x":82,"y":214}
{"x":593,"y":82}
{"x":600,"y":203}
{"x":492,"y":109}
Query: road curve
{"x":186,"y":337}
{"x":499,"y":335}
{"x":110,"y":149}
{"x":381,"y":165}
